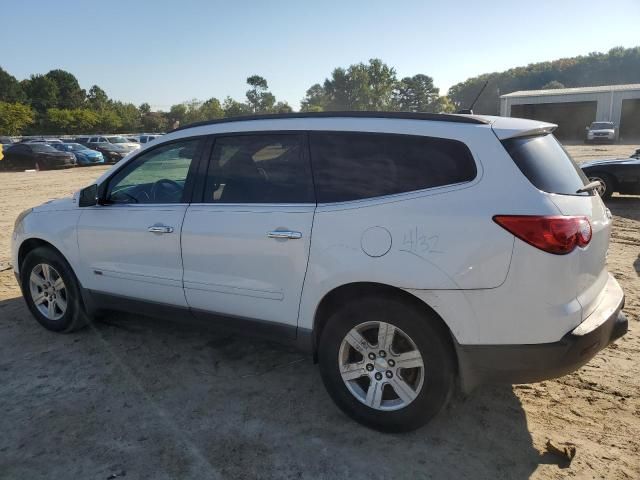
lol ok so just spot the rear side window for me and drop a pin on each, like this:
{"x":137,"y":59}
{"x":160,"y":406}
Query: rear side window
{"x":546,"y":164}
{"x":353,"y":166}
{"x":259,"y":169}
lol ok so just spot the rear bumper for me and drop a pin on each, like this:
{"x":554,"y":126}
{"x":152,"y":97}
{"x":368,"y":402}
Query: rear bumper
{"x":529,"y":363}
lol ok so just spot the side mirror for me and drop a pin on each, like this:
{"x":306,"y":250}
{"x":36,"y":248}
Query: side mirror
{"x":88,"y":196}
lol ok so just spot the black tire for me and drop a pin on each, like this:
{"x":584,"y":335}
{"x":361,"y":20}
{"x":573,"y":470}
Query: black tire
{"x":429,"y":336}
{"x":607,"y":180}
{"x":74,"y":316}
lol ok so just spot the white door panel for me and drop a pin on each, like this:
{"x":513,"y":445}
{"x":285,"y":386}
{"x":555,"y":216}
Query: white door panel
{"x":232,"y":265}
{"x":120,"y":256}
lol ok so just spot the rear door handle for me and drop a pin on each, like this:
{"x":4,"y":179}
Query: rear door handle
{"x":160,"y":229}
{"x":287,"y":234}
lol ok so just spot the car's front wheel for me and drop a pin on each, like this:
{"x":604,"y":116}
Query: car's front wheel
{"x":386,"y":364}
{"x":51,"y":291}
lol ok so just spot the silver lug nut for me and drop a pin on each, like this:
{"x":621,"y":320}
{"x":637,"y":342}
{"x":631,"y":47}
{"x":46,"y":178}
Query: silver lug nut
{"x":378,"y":376}
{"x":392,"y":363}
{"x":372,"y":356}
{"x":369,"y":367}
{"x":382,"y":353}
{"x":389,"y":374}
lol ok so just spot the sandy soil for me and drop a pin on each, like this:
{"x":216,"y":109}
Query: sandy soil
{"x":150,"y":399}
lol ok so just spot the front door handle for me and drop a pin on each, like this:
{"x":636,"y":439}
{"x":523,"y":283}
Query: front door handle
{"x":160,"y":229}
{"x":287,"y":234}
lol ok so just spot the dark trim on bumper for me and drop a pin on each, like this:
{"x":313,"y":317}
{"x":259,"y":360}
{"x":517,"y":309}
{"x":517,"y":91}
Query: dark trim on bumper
{"x":479,"y":364}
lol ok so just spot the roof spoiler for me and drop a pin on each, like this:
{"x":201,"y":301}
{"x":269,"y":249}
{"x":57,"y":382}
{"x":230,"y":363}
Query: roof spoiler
{"x":530,"y":129}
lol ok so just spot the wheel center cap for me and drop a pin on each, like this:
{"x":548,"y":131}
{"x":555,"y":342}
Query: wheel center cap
{"x":381,"y":364}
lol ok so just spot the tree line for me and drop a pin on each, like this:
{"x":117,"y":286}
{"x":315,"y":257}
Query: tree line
{"x":54,"y":103}
{"x":617,"y":66}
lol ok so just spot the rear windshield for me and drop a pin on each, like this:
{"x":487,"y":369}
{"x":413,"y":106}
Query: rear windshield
{"x":546,"y":164}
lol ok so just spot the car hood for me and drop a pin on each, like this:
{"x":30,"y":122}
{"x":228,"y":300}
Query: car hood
{"x":600,"y":130}
{"x":67,"y":203}
{"x":610,"y":161}
{"x":88,"y":153}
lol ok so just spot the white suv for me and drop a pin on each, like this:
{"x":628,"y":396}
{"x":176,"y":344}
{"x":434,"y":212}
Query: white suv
{"x":407,"y":252}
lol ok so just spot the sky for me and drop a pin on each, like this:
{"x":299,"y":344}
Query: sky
{"x":166,"y":52}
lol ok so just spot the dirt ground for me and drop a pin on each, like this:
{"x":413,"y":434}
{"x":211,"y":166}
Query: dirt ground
{"x":143,"y":398}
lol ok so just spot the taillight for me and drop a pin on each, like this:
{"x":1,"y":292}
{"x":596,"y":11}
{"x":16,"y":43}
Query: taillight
{"x":554,"y":234}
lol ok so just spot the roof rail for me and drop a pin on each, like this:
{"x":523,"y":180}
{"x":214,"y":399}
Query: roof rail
{"x":439,"y":117}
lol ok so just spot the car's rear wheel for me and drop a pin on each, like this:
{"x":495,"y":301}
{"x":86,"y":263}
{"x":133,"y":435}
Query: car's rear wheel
{"x":606,"y":182}
{"x":386,"y":364}
{"x":51,"y":291}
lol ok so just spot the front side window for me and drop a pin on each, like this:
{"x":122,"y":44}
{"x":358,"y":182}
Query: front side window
{"x":259,"y":169}
{"x":158,"y":176}
{"x":353,"y":166}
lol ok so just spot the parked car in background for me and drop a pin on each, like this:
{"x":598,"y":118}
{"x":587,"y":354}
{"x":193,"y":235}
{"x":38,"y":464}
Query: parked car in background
{"x":84,"y":155}
{"x":114,"y":148}
{"x":408,"y":253}
{"x":620,"y":175}
{"x":602,"y":132}
{"x":35,"y":155}
{"x":41,"y":140}
{"x":148,"y":138}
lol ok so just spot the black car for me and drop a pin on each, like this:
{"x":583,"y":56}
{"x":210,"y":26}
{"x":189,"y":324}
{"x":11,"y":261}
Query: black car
{"x":620,"y":175}
{"x":38,"y":156}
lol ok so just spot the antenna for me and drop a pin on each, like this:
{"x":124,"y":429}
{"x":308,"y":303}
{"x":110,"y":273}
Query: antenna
{"x":469,"y":110}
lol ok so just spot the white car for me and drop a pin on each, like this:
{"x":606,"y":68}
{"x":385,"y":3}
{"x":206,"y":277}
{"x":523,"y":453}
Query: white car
{"x":601,"y":132}
{"x":409,"y":253}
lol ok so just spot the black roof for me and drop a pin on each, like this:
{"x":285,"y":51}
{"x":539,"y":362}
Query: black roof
{"x":439,"y":117}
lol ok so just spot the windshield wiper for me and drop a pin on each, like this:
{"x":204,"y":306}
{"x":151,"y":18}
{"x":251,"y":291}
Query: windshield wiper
{"x":590,"y":187}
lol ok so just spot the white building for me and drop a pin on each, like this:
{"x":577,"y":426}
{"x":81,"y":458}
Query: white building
{"x":575,"y":108}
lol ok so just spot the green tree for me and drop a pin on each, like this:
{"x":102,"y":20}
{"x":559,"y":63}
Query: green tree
{"x":360,"y":87}
{"x":282,"y":107}
{"x":58,"y":121}
{"x":315,"y":99}
{"x":144,"y":108}
{"x":109,"y":121}
{"x":10,"y":89}
{"x":153,"y":122}
{"x":176,"y":115}
{"x":211,"y":109}
{"x":233,"y":108}
{"x":97,"y":98}
{"x":42,"y":92}
{"x":70,"y":95}
{"x":617,"y":66}
{"x":129,"y":116}
{"x":15,"y":118}
{"x":416,"y":94}
{"x":84,"y":121}
{"x":259,"y":98}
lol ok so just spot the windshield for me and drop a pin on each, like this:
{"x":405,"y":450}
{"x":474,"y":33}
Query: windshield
{"x":601,"y":125}
{"x":74,"y":147}
{"x":42,"y":148}
{"x":117,"y":140}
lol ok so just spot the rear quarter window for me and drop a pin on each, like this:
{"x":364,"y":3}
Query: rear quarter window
{"x":353,"y":166}
{"x":546,"y":164}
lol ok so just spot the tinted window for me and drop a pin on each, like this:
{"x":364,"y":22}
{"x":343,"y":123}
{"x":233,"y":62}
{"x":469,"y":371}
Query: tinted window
{"x":352,"y":166}
{"x":158,"y":176}
{"x":259,"y":169}
{"x":546,"y":164}
{"x":42,"y":148}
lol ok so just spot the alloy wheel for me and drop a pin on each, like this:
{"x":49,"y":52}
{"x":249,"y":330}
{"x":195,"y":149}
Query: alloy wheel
{"x":381,"y":366}
{"x":48,"y":291}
